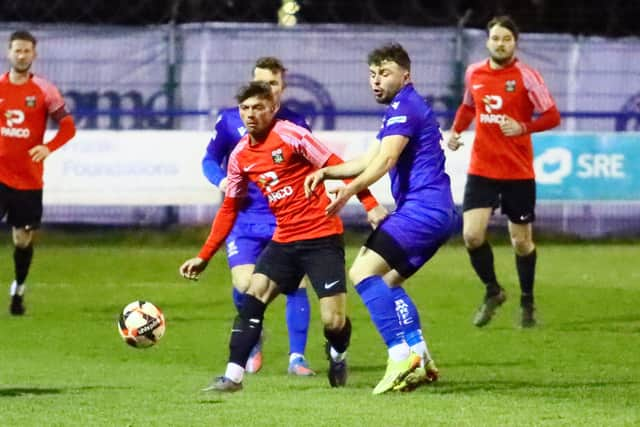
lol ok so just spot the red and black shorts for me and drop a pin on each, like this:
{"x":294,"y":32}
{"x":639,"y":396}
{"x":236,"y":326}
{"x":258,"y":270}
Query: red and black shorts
{"x":23,"y":208}
{"x":515,"y":197}
{"x":321,"y":259}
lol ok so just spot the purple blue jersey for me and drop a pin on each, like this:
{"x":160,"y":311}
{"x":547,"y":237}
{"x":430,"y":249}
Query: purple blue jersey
{"x":418,"y":176}
{"x":425,"y":215}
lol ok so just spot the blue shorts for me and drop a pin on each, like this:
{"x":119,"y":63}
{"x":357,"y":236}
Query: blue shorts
{"x":246,"y":241}
{"x":407,"y":243}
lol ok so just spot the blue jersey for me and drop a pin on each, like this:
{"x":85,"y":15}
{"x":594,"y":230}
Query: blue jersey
{"x":418,"y":178}
{"x":229,"y":129}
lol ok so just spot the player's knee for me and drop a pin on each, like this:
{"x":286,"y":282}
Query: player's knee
{"x":260,"y":289}
{"x":522,"y":245}
{"x":333,"y":319}
{"x":472,"y":239}
{"x":241,"y":281}
{"x":22,"y":238}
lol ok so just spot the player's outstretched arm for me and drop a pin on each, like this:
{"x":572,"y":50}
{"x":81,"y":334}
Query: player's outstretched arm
{"x":192,"y":268}
{"x":220,"y":229}
{"x":339,"y":170}
{"x":387,"y":156}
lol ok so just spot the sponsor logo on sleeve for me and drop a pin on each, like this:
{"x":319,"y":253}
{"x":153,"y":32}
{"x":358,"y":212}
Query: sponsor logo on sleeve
{"x":396,"y":119}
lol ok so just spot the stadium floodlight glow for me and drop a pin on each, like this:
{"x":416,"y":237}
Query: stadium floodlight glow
{"x":287,"y":13}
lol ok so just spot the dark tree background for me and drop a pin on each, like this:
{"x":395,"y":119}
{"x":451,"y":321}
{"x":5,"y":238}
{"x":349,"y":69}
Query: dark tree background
{"x":612,"y":18}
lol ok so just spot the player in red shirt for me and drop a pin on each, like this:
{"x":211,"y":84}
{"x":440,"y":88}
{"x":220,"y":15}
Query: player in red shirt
{"x":502,"y":94}
{"x":277,"y":155}
{"x":26,"y":102}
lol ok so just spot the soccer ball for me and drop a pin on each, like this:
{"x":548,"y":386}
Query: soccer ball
{"x":141,"y":324}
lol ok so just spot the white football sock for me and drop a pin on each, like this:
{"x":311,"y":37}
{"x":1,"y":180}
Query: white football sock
{"x":399,"y":352}
{"x":294,"y":356}
{"x":234,"y":372}
{"x":16,"y":289}
{"x":335,"y":356}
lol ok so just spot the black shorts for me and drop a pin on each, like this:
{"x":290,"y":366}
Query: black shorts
{"x":321,"y":259}
{"x":390,"y":250}
{"x":23,"y":208}
{"x":516,"y":198}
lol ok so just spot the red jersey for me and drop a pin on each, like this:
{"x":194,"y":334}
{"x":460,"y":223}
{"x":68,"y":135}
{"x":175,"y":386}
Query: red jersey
{"x":24,"y":110}
{"x":518,"y":91}
{"x":279,"y":166}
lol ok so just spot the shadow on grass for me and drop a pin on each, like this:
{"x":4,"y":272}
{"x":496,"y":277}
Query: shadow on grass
{"x":27,"y":391}
{"x":381,"y":367}
{"x":453,"y":387}
{"x":41,"y":391}
{"x":210,"y":401}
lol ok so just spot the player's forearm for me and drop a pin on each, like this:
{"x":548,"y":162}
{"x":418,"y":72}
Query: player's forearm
{"x":366,"y":198}
{"x":464,"y":116}
{"x":212,"y":160}
{"x":336,"y":168}
{"x":380,"y":165}
{"x":221,"y":227}
{"x":212,"y":170}
{"x":66,"y":131}
{"x":547,"y":120}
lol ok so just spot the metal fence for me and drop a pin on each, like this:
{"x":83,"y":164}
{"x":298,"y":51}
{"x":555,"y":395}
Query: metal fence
{"x":617,"y":18}
{"x":175,"y":76}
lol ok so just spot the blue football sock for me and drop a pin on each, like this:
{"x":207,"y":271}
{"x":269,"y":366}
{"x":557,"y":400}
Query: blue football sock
{"x":408,"y":316}
{"x":378,"y":299}
{"x":298,"y":314}
{"x":238,"y":299}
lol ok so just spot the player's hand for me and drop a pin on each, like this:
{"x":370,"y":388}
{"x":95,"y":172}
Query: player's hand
{"x":192,"y":268}
{"x":454,"y":142}
{"x":39,"y":153}
{"x":376,"y":215}
{"x":312,"y":181}
{"x":222,"y":186}
{"x":341,"y":196}
{"x":511,"y":127}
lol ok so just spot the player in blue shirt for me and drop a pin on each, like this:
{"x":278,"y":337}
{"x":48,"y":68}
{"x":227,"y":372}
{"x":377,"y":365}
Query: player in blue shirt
{"x":255,"y":224}
{"x":408,"y":148}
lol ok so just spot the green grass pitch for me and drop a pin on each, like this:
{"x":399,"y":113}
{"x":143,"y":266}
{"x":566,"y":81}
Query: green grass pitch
{"x":64,"y":364}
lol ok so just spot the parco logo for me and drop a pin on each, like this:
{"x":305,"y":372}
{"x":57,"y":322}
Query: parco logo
{"x":14,"y":118}
{"x":268,"y":180}
{"x":492,"y":103}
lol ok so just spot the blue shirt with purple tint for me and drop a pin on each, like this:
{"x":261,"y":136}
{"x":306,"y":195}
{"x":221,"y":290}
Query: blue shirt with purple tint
{"x":419,"y":176}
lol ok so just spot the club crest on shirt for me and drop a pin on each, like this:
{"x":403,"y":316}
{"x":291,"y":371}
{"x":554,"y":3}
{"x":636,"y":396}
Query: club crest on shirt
{"x":510,"y":86}
{"x":277,"y":156}
{"x":30,"y":101}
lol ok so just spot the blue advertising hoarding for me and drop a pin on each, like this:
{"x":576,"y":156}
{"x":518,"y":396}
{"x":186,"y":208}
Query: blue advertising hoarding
{"x":587,"y":166}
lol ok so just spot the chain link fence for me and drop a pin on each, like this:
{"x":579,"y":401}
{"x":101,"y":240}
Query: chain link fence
{"x":614,"y":18}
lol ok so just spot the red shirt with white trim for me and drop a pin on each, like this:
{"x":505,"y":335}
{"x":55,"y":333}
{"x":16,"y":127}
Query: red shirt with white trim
{"x":279,"y":166}
{"x":24,"y":110}
{"x":518,"y":91}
